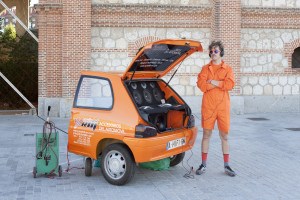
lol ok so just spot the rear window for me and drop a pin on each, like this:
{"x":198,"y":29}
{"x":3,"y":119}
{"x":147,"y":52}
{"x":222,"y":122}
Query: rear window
{"x":159,"y":57}
{"x":94,"y":93}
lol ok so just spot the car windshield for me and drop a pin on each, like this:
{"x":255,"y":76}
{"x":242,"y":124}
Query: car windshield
{"x":159,"y":57}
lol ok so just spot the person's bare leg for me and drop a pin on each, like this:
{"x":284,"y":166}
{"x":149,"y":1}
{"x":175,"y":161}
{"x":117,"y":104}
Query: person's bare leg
{"x":204,"y":148}
{"x":205,"y":144}
{"x":225,"y":143}
{"x":205,"y":140}
{"x":225,"y":149}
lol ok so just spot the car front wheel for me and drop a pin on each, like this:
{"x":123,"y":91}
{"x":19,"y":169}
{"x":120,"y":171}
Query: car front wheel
{"x":117,"y":164}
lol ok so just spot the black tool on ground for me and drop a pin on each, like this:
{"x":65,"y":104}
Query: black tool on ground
{"x":47,"y":149}
{"x":190,"y":170}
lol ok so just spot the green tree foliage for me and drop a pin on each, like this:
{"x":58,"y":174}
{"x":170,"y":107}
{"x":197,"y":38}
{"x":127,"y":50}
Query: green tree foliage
{"x":9,"y":33}
{"x":19,"y":63}
{"x":26,"y":50}
{"x":7,"y":40}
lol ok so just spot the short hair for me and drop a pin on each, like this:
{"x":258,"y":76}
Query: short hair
{"x":216,"y":43}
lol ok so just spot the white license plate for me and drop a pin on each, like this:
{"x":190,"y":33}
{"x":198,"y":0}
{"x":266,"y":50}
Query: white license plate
{"x":176,"y":143}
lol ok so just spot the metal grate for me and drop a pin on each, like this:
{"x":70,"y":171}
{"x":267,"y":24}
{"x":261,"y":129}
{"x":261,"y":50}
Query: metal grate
{"x":258,"y":119}
{"x":293,"y":129}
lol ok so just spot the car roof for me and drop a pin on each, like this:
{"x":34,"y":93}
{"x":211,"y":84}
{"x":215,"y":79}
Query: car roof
{"x":103,"y":74}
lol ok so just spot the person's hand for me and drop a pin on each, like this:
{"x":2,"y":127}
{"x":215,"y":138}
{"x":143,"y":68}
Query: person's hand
{"x":210,"y":82}
{"x":215,"y":83}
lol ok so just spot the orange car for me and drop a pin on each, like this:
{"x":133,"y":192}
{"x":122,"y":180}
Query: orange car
{"x":133,"y":117}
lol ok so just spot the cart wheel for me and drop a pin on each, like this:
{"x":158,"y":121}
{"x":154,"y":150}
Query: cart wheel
{"x":34,"y":172}
{"x":59,"y":171}
{"x":88,"y":167}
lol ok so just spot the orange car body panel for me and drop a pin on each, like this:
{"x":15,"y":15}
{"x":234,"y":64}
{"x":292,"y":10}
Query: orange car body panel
{"x":155,"y":148}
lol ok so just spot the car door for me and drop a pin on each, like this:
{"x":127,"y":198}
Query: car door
{"x":93,"y":99}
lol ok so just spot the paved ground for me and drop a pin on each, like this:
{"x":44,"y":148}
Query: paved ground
{"x":264,"y":154}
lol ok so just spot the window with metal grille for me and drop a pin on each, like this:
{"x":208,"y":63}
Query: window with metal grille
{"x":296,"y":58}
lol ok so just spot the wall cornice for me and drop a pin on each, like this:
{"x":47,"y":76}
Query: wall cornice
{"x":138,"y":15}
{"x":270,"y":17}
{"x":47,"y":6}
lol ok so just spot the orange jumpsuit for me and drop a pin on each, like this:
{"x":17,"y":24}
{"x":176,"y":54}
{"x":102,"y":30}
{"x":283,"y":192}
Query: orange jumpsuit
{"x":216,"y":101}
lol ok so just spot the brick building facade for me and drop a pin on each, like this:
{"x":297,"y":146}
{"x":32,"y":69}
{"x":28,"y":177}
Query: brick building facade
{"x":103,"y":35}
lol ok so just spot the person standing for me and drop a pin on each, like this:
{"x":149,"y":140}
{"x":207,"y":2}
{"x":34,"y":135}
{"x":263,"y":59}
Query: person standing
{"x":215,"y":80}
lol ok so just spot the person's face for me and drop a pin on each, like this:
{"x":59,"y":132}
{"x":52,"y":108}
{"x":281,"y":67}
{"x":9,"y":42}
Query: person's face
{"x":215,"y":56}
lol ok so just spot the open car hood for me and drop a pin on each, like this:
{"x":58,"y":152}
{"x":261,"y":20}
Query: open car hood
{"x":156,"y":59}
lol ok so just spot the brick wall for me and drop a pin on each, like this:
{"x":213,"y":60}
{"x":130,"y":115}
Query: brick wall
{"x":259,"y":38}
{"x":76,"y":43}
{"x":153,"y":2}
{"x":64,"y":47}
{"x":139,"y":15}
{"x":226,"y":26}
{"x":50,"y":50}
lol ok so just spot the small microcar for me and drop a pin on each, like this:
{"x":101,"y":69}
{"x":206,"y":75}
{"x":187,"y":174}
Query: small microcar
{"x":133,"y":117}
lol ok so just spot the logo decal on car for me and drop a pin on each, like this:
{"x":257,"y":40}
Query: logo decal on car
{"x":88,"y":123}
{"x":78,"y":122}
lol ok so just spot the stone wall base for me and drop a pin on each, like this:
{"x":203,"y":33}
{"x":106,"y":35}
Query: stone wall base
{"x":61,"y":107}
{"x":253,"y":104}
{"x":272,"y":104}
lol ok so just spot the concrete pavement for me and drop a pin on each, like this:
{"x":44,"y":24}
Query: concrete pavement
{"x":264,"y":154}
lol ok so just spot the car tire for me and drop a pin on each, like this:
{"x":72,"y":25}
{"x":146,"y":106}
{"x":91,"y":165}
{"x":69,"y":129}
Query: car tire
{"x":88,"y":167}
{"x":117,"y":164}
{"x":176,"y":159}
